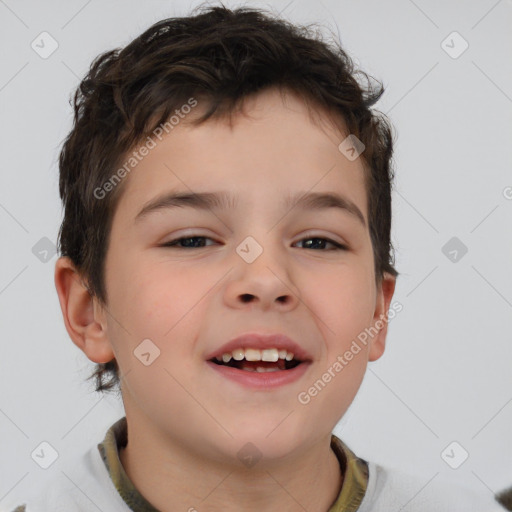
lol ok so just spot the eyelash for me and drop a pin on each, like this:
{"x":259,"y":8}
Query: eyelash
{"x":173,"y":243}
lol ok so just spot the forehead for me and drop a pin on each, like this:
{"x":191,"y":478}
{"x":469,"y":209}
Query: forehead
{"x":275,"y":146}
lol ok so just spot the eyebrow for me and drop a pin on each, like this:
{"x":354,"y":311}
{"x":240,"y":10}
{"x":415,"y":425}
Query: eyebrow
{"x":225,"y":200}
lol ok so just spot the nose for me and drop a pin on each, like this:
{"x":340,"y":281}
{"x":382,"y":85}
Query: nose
{"x":265,"y":283}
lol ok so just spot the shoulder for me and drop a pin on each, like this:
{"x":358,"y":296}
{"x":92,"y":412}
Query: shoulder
{"x":84,"y":486}
{"x":390,"y":489}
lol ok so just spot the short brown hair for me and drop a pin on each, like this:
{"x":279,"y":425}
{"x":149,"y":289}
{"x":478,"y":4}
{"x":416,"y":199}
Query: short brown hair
{"x":221,"y":56}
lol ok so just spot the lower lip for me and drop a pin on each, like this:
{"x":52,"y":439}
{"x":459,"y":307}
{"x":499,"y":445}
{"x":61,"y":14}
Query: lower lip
{"x":261,"y":380}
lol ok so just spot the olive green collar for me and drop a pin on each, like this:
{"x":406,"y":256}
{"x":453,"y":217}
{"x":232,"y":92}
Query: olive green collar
{"x":354,"y":469}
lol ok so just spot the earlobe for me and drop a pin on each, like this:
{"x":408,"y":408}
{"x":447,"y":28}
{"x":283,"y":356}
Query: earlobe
{"x":380,"y":318}
{"x":84,"y":322}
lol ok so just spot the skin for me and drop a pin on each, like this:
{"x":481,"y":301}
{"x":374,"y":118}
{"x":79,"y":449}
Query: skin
{"x":186,"y":423}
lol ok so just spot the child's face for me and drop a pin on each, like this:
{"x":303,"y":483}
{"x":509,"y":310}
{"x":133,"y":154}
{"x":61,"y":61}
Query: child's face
{"x":191,"y":300}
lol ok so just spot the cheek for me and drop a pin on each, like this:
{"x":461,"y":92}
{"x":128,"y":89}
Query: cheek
{"x":329,"y":392}
{"x":343,"y":302}
{"x":163,"y":303}
{"x":345,"y":312}
{"x":152,"y":298}
{"x":161,"y":306}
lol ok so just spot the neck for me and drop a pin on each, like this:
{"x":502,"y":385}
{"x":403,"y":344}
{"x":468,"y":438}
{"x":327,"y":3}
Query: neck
{"x":172,"y":478}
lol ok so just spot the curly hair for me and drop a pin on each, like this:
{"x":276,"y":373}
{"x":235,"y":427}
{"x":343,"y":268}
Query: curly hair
{"x":221,"y":56}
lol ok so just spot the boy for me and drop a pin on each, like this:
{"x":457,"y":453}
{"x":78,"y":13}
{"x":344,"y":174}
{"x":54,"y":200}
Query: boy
{"x":226,"y":261}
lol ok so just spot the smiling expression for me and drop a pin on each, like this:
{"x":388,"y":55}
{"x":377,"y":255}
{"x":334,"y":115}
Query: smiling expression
{"x":193,"y":213}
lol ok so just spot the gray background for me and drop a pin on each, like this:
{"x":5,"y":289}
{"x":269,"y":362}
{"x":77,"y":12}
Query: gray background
{"x":446,"y":374}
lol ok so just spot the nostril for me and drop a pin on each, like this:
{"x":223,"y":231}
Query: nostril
{"x":247,"y":297}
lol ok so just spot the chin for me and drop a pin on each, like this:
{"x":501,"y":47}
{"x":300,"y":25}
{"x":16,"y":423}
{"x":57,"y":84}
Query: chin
{"x":273,"y":438}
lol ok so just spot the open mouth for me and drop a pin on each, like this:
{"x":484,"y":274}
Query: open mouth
{"x":252,"y":360}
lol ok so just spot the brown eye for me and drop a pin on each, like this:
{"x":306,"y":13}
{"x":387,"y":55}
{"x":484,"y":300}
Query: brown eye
{"x":321,"y":241}
{"x":191,"y":242}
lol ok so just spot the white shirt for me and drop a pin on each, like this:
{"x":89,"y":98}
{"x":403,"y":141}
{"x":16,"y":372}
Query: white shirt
{"x":87,"y":487}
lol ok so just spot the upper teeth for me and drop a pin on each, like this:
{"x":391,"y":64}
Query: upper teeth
{"x":253,"y":354}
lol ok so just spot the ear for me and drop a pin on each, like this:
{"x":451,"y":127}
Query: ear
{"x":380,"y":322}
{"x":84,"y":319}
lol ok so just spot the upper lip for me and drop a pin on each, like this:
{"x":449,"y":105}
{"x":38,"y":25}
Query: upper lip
{"x":261,"y":342}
